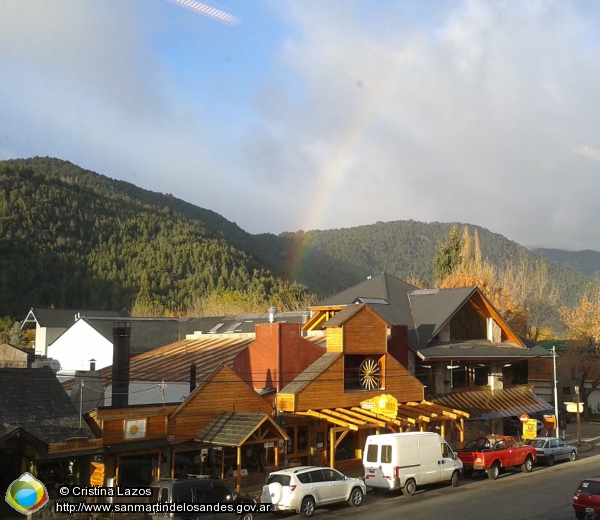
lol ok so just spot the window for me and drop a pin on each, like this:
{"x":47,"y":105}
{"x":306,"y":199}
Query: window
{"x":386,"y":453}
{"x":372,"y":453}
{"x":284,"y":480}
{"x":560,"y":443}
{"x":511,"y":443}
{"x":553,"y":444}
{"x":362,"y":372}
{"x":184,"y":494}
{"x":317,"y":475}
{"x":304,"y":478}
{"x":164,"y":495}
{"x":302,"y":439}
{"x":446,"y":451}
{"x":333,"y":475}
{"x":205,"y":495}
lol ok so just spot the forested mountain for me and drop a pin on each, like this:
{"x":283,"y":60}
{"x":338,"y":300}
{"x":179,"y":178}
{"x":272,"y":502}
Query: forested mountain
{"x":73,"y":238}
{"x":407,"y":249}
{"x":586,"y":262}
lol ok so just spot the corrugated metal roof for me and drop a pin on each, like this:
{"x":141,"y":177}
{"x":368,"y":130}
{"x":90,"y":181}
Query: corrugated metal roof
{"x":488,"y":404}
{"x":171,"y":363}
{"x":480,"y":349}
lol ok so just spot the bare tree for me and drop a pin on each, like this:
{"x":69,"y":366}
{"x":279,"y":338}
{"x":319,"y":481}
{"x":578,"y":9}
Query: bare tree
{"x":580,"y":365}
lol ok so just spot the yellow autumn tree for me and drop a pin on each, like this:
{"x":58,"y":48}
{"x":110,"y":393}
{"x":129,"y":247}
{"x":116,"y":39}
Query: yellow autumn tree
{"x":474,"y":270}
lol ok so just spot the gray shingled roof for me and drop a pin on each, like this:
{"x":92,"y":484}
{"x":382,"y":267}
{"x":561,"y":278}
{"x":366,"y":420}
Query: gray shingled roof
{"x":233,"y":428}
{"x":308,"y":375}
{"x":431,"y":311}
{"x":34,"y":400}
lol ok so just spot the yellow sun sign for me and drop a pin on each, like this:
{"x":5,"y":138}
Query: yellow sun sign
{"x":135,"y":429}
{"x":384,"y":404}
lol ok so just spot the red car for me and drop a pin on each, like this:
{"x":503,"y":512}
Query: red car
{"x":586,"y":499}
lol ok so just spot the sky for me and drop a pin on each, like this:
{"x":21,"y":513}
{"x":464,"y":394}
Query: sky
{"x":305,"y":114}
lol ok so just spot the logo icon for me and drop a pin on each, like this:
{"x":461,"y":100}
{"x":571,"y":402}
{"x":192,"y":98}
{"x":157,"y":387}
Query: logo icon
{"x":27,"y":494}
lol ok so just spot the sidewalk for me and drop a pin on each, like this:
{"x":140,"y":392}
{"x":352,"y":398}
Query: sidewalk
{"x":590,"y":436}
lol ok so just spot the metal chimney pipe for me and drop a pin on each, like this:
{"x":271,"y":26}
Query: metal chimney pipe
{"x":272,"y":312}
{"x":120,"y":368}
{"x":92,"y":365}
{"x":192,"y":377}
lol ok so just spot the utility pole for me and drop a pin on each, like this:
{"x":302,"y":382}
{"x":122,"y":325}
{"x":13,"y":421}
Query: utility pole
{"x":81,"y":383}
{"x":557,"y":425}
{"x":578,"y":416}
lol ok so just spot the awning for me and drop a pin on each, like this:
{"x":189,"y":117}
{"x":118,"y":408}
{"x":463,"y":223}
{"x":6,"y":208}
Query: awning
{"x":237,"y":428}
{"x":488,"y":404}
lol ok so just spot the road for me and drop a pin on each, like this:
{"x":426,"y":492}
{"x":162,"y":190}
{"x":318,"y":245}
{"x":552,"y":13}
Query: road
{"x":544,"y":494}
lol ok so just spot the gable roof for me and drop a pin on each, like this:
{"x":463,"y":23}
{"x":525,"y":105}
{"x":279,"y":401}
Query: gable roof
{"x":432,"y":311}
{"x":64,"y":318}
{"x":33,"y":399}
{"x":234,"y":428}
{"x":423,"y":312}
{"x":384,"y":286}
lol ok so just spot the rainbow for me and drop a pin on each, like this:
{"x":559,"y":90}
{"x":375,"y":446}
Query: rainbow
{"x":335,"y":169}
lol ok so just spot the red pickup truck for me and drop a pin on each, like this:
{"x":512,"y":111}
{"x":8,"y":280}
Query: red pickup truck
{"x":494,"y":452}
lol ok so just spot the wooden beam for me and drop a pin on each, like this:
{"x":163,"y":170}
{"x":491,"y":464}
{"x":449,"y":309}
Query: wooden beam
{"x":443,"y":409}
{"x":344,"y":417}
{"x":374,"y":420}
{"x":239,"y":469}
{"x":329,"y":418}
{"x":384,"y":418}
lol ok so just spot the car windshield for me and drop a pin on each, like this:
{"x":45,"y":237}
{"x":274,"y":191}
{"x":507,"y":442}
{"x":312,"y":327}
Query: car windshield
{"x":536,"y":443}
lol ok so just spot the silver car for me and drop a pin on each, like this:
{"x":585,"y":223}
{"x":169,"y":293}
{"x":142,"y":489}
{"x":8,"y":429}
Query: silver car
{"x":550,"y":449}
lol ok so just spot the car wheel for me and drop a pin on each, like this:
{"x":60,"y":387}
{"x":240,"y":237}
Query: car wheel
{"x":527,"y":466}
{"x":454,"y":479}
{"x":356,"y":497}
{"x":410,"y":486}
{"x":580,"y":515}
{"x":307,"y":509}
{"x":550,"y":460}
{"x":247,"y":516}
{"x":494,"y":471}
{"x":573,"y":455}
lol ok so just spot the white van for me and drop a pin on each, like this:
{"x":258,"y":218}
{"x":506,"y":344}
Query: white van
{"x":407,"y":460}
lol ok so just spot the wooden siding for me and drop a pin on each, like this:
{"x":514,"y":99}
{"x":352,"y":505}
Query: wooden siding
{"x":285,"y":402}
{"x":335,"y":340}
{"x":113,"y":431}
{"x":224,"y":391}
{"x":327,"y":390}
{"x":364,"y":333}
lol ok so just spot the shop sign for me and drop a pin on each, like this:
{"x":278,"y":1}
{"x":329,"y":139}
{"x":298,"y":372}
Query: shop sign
{"x":530,"y":429}
{"x":78,"y":445}
{"x":135,"y":429}
{"x":384,"y":404}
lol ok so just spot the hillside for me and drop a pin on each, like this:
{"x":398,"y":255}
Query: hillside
{"x":407,"y":249}
{"x":586,"y":262}
{"x":73,"y":238}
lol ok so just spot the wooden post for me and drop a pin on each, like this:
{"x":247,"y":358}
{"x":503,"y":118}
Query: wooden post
{"x":443,"y":429}
{"x":117,"y":471}
{"x":238,"y":484}
{"x":277,"y":454}
{"x":462,"y":433}
{"x":331,"y":448}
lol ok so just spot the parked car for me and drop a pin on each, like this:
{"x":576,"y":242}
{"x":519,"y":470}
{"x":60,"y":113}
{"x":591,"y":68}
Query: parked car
{"x":303,"y":489}
{"x":549,"y":450}
{"x":198,"y":491}
{"x":494,"y":452}
{"x":586,"y":498}
{"x":406,"y":460}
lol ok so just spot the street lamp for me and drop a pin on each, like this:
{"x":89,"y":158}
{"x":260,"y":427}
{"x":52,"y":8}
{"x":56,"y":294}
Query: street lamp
{"x":578,"y":416}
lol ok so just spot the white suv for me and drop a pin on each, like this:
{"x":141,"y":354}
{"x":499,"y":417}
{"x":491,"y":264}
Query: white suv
{"x":305,"y":488}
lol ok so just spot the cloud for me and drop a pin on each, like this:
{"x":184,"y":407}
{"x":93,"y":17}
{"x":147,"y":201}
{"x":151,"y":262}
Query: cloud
{"x":471,"y":119}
